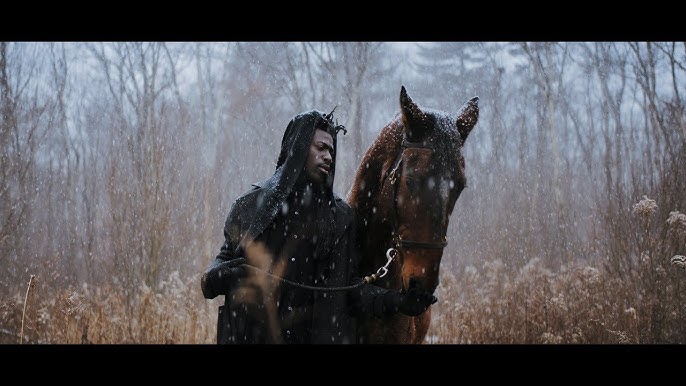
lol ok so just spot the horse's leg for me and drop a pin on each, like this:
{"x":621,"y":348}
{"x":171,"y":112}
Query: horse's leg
{"x":372,"y":332}
{"x":421,"y":324}
{"x":402,"y":329}
{"x":397,"y":329}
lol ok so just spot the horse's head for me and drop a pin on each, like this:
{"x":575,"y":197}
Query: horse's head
{"x":424,"y":180}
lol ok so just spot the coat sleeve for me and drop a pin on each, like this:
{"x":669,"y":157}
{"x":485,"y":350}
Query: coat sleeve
{"x":365,"y":301}
{"x":211,"y":285}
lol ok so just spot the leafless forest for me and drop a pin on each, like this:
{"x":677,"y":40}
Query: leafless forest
{"x":119,"y":162}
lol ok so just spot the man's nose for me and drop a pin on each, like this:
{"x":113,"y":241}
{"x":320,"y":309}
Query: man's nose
{"x":327,"y":157}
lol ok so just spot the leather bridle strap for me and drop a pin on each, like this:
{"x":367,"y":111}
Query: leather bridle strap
{"x":419,"y":244}
{"x":392,"y":176}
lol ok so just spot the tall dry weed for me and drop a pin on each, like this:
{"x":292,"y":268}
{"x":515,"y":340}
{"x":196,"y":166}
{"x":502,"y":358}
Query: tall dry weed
{"x":577,"y":304}
{"x":176,"y":313}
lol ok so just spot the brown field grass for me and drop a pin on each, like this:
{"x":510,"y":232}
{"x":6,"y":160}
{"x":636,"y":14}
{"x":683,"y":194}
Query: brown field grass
{"x":578,"y":305}
{"x":176,"y":314}
{"x":490,"y":304}
{"x":644,"y":303}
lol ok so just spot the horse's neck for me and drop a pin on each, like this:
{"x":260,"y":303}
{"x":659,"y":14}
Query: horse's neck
{"x":377,"y":234}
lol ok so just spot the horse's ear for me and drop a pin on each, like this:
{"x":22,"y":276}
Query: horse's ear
{"x":413,"y":118}
{"x":467,"y":117}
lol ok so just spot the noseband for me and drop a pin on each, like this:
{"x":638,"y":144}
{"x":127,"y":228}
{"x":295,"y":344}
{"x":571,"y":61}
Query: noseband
{"x":392,"y":177}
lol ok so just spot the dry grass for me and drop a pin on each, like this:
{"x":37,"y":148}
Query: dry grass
{"x":578,"y":304}
{"x":175,"y":314}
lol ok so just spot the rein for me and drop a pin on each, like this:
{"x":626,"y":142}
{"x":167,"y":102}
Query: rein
{"x":381,"y":272}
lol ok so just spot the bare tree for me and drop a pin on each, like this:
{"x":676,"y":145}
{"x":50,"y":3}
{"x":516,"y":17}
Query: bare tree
{"x":25,"y":112}
{"x":141,"y":82}
{"x":548,"y":69}
{"x":283,"y":79}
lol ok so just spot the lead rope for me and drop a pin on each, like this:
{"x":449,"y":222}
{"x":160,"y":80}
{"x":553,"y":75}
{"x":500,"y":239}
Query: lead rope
{"x":391,"y":253}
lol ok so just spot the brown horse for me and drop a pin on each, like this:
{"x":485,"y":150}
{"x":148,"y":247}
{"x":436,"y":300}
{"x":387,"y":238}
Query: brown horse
{"x":404,"y":192}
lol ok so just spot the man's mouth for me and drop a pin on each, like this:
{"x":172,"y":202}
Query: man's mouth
{"x":324,"y":169}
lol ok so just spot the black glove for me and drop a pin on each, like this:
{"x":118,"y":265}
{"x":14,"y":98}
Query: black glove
{"x":411,"y":303}
{"x":221,"y":278}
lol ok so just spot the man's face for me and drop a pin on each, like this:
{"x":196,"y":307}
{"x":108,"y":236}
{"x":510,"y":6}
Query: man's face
{"x":320,"y":156}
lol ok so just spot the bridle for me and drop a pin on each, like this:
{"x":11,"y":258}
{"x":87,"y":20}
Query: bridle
{"x":392,"y":177}
{"x":398,"y":242}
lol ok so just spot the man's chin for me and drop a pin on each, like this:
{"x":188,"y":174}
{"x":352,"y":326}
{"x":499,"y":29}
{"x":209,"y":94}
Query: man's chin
{"x":317,"y":180}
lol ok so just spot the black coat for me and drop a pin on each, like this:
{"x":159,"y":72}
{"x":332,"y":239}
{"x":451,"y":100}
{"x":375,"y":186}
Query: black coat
{"x":256,"y":216}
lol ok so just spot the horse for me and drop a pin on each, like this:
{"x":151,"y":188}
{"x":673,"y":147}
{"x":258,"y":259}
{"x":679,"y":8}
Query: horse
{"x":403,"y":192}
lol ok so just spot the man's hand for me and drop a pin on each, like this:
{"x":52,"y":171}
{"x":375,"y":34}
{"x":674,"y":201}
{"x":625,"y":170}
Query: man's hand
{"x":412,"y":302}
{"x":223,"y":277}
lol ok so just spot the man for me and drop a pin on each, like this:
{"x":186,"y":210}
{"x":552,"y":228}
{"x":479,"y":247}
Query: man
{"x":304,"y":232}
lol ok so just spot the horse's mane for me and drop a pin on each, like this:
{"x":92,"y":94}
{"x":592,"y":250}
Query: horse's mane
{"x":368,"y":178}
